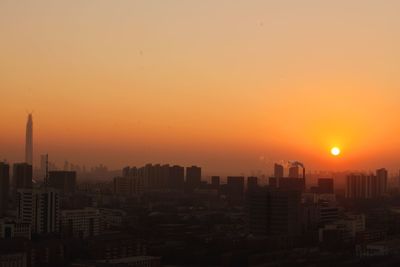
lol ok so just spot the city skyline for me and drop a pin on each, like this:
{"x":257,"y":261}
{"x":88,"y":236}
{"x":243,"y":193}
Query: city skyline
{"x":240,"y":133}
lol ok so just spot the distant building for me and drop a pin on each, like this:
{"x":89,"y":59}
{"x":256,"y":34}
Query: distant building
{"x":122,"y":185}
{"x":110,"y":218}
{"x":64,"y":181}
{"x":294,"y":172}
{"x":235,"y":188}
{"x":252,"y":183}
{"x":193,"y":178}
{"x":278,"y":171}
{"x":22,"y":175}
{"x":80,"y":223}
{"x":10,"y":229}
{"x":274,"y":212}
{"x":137,"y":261}
{"x":215,"y":182}
{"x":381,"y":183}
{"x":362,"y":186}
{"x":40,"y":208}
{"x":4,"y":187}
{"x":176,"y":178}
{"x":18,"y":259}
{"x":325,"y":186}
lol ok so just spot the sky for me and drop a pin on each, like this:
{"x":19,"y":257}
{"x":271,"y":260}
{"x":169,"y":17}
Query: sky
{"x":232,"y":86}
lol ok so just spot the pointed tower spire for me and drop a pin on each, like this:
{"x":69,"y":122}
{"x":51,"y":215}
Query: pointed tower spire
{"x":29,"y":141}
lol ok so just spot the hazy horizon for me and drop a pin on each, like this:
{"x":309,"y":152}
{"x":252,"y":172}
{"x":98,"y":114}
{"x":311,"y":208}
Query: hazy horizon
{"x":229,"y":86}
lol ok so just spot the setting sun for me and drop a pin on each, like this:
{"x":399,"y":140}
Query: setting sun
{"x":335,"y":151}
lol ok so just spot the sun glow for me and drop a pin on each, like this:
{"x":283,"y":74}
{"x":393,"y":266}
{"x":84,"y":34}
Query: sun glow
{"x":335,"y":151}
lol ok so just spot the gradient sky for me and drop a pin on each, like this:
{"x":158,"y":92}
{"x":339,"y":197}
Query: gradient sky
{"x":229,"y":85}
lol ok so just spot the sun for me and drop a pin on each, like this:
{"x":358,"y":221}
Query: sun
{"x":335,"y":151}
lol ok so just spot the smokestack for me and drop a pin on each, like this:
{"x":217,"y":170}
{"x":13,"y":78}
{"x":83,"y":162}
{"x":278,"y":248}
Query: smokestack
{"x":304,"y":178}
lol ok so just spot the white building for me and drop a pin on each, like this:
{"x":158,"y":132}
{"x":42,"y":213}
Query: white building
{"x":80,"y":223}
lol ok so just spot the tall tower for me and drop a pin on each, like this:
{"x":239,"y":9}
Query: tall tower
{"x":29,"y":141}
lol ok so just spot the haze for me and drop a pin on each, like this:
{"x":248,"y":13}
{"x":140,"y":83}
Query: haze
{"x":227,"y":85}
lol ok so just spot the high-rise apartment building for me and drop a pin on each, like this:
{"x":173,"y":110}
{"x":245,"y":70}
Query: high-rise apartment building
{"x":80,"y":223}
{"x":40,"y":208}
{"x":193,"y":177}
{"x":4,"y":187}
{"x":363,"y":186}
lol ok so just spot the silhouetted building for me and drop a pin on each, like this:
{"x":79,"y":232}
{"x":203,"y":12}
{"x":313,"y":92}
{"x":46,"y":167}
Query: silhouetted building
{"x":64,"y":181}
{"x":215,"y":182}
{"x":193,"y":177}
{"x":362,"y":186}
{"x":325,"y":186}
{"x":176,"y":178}
{"x":235,"y":188}
{"x":122,"y":185}
{"x":4,"y":187}
{"x":22,"y":175}
{"x":43,"y":165}
{"x":287,"y":183}
{"x":381,"y":183}
{"x":294,"y":172}
{"x":40,"y":208}
{"x":252,"y":183}
{"x":274,"y":212}
{"x":278,"y":171}
{"x":29,"y":141}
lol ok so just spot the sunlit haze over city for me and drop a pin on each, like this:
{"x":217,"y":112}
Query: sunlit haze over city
{"x":232,"y":86}
{"x":190,"y":133}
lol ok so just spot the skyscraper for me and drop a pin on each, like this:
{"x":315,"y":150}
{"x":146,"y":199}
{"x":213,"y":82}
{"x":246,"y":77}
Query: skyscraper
{"x":4,"y":186}
{"x":29,"y":141}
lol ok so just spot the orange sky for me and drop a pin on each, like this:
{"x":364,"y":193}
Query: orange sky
{"x":214,"y":83}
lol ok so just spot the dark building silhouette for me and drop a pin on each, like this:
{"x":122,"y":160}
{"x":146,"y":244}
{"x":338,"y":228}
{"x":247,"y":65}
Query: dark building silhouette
{"x":287,"y":183}
{"x":29,"y":141}
{"x":4,"y":186}
{"x":366,"y":186}
{"x":64,"y":181}
{"x":193,"y":177}
{"x":235,"y":188}
{"x":215,"y":181}
{"x":381,"y":183}
{"x":294,"y":172}
{"x":278,"y":171}
{"x":325,"y":186}
{"x":274,"y":212}
{"x":22,"y":175}
{"x":252,"y":183}
{"x":176,"y":178}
